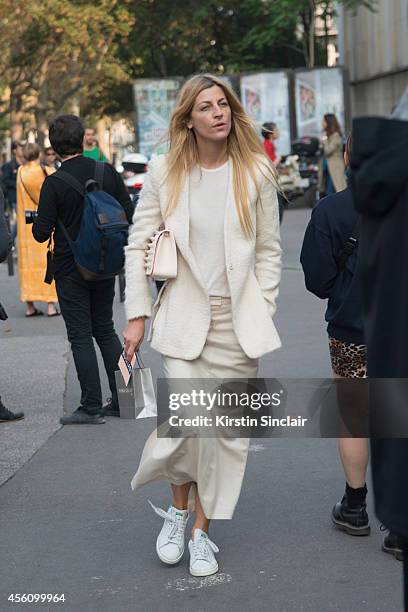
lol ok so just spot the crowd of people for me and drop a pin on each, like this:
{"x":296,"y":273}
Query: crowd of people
{"x":216,"y":191}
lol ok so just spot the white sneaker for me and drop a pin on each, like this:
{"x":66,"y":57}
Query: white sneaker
{"x":202,"y":559}
{"x":170,"y":541}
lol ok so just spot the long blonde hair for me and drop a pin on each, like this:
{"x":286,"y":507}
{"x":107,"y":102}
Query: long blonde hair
{"x":243,"y":146}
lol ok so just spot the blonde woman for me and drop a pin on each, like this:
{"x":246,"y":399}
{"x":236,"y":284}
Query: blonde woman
{"x":32,"y":256}
{"x":216,"y":190}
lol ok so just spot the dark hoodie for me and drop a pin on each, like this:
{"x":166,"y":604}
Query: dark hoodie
{"x":379,"y":178}
{"x":332,"y":223}
{"x":379,"y":168}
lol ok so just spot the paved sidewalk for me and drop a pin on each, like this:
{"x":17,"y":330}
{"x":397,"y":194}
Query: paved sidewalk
{"x":73,"y":525}
{"x":33,"y":360}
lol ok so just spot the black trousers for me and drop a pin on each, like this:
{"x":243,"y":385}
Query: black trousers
{"x":87,"y":309}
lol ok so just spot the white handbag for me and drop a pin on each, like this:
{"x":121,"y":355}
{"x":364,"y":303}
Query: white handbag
{"x":161,"y":255}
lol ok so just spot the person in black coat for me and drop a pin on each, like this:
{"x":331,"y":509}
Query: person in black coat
{"x":9,"y":173}
{"x":379,"y":167}
{"x":5,"y":247}
{"x":332,"y":275}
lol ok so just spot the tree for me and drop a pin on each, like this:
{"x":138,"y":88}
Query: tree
{"x":300,"y":17}
{"x":62,"y":55}
{"x":56,"y":53}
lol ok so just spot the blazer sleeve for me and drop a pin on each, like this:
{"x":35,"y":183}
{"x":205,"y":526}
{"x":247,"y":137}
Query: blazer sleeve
{"x":268,"y":249}
{"x":146,"y":219}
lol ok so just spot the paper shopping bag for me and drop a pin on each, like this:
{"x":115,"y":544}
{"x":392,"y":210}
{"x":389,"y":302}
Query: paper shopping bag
{"x":137,"y":399}
{"x":144,"y":395}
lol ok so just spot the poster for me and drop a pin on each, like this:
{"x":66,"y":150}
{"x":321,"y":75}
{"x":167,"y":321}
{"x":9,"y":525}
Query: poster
{"x":154,"y":100}
{"x":265,"y":97}
{"x":318,"y":92}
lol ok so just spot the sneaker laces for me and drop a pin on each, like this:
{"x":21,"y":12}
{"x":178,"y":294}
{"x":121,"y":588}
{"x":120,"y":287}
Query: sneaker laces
{"x":202,"y":546}
{"x":174,"y":524}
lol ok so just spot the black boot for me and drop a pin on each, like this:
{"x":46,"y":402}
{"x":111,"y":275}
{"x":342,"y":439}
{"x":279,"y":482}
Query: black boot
{"x":351,"y":519}
{"x":6,"y":416}
{"x":393,"y":545}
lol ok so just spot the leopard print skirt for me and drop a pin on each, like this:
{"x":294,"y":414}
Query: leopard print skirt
{"x":348,"y":360}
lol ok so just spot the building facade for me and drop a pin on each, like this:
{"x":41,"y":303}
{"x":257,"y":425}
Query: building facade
{"x":373,"y":45}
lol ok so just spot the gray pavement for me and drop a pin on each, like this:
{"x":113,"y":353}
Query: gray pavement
{"x":33,"y":359}
{"x":72,"y":525}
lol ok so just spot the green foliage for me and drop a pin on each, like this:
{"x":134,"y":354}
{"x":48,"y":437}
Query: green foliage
{"x":63,"y":54}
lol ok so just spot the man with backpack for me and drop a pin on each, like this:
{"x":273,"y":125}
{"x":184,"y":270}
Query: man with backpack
{"x":85,"y":210}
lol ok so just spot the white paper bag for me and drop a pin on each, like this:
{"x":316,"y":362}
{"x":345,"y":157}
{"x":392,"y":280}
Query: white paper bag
{"x":137,"y":400}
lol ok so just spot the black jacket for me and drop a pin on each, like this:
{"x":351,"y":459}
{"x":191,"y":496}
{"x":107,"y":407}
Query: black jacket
{"x":5,"y":238}
{"x":379,"y":168}
{"x":332,"y":223}
{"x":59,"y":200}
{"x":9,"y":180}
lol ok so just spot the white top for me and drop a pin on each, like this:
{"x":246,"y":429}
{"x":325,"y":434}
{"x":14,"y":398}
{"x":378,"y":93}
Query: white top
{"x":208,"y":197}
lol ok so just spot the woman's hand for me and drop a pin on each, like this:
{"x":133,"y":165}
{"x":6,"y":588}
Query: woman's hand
{"x":133,"y":337}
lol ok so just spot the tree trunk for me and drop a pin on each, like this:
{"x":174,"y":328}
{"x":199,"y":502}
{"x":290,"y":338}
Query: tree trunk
{"x":312,"y":13}
{"x":41,"y":123}
{"x":326,"y":34}
{"x":102,"y":132}
{"x":162,"y":64}
{"x":16,"y":117}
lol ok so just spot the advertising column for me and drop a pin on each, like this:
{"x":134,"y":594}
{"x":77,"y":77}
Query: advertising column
{"x":265,"y":97}
{"x":154,"y":102}
{"x":317,"y":92}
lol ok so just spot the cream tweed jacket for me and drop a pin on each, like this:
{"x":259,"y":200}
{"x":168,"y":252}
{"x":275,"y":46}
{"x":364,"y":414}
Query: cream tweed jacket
{"x":181,"y":314}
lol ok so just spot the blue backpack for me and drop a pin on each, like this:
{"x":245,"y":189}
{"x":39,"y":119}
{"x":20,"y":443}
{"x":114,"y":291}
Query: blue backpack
{"x":99,"y":247}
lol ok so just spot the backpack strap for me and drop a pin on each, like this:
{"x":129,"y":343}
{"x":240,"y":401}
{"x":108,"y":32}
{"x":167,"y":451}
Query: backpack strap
{"x":70,"y":180}
{"x":99,"y":171}
{"x":350,"y":245}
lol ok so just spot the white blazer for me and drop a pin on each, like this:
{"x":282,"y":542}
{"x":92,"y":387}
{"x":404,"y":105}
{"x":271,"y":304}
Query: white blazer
{"x":181,"y":314}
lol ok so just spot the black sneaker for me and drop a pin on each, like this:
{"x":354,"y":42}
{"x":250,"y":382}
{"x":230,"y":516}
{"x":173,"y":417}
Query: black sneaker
{"x":353,"y":521}
{"x":110,"y":409}
{"x":6,"y":416}
{"x":392,"y":545}
{"x":80,"y":417}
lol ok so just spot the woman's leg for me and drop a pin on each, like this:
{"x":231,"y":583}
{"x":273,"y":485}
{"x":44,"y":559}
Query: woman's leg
{"x":51,"y":309}
{"x":180,"y":495}
{"x":30,"y":308}
{"x":201,"y":521}
{"x":354,"y":457}
{"x":350,"y":513}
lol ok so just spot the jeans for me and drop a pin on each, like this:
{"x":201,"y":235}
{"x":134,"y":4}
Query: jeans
{"x":87,"y":310}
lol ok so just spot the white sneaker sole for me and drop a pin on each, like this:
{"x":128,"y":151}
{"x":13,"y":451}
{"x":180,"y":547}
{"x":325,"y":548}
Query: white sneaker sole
{"x":210,"y":572}
{"x":165,"y":559}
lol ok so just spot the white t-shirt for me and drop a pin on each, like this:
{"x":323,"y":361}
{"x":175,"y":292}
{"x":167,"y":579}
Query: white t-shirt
{"x":208,"y":196}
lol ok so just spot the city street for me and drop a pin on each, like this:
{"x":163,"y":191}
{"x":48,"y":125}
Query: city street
{"x":71,"y":524}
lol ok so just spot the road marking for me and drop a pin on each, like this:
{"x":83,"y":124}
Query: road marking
{"x":184,"y":584}
{"x":256,"y":448}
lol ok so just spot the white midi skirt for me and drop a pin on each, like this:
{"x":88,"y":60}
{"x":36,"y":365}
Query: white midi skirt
{"x":216,"y":465}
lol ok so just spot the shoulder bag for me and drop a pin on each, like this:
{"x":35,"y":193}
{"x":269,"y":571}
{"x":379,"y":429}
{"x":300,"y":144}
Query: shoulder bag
{"x":161,"y":255}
